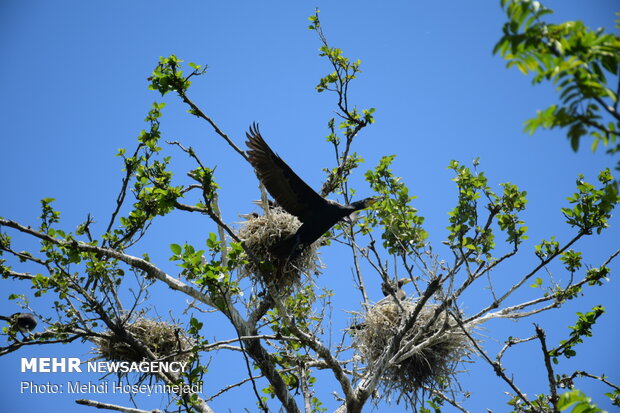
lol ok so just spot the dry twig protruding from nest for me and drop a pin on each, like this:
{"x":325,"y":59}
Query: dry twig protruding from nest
{"x":261,"y":236}
{"x":167,"y":341}
{"x":427,"y":357}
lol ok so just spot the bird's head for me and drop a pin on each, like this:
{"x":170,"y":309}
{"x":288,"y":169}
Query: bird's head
{"x":403,"y":281}
{"x":365,"y":203}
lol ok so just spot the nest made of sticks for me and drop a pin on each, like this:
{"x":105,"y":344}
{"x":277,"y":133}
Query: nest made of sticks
{"x":167,"y":341}
{"x":428,"y":355}
{"x":261,"y":235}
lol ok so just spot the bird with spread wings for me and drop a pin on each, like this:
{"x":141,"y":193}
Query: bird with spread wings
{"x":291,"y":193}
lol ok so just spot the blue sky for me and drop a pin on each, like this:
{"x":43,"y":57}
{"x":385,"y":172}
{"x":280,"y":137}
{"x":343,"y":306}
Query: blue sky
{"x":75,"y":90}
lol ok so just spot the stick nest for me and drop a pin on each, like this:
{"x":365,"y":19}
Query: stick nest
{"x":427,"y":357}
{"x":261,"y":236}
{"x":167,"y":341}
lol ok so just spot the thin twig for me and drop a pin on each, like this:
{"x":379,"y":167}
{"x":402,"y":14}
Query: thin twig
{"x":592,"y":376}
{"x":497,"y":367}
{"x":540,"y":333}
{"x":100,"y":405}
{"x":232,"y":386}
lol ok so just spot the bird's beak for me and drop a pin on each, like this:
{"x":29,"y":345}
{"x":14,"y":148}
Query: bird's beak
{"x":374,"y":200}
{"x":405,"y":280}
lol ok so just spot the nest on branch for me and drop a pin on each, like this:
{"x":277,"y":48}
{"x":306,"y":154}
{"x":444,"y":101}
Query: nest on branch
{"x":428,"y":354}
{"x":167,"y":342}
{"x":262,"y":235}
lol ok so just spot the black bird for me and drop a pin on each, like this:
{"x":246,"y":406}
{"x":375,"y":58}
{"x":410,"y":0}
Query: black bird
{"x":387,"y":288}
{"x":24,"y":322}
{"x":317,"y":214}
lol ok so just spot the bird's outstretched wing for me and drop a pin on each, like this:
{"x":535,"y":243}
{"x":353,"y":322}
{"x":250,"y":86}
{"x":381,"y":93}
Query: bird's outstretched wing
{"x":288,"y":189}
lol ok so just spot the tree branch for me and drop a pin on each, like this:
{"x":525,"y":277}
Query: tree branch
{"x":540,"y":333}
{"x":256,"y":351}
{"x":100,"y":405}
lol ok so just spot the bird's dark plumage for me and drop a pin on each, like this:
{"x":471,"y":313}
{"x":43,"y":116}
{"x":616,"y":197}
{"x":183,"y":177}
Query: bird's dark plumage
{"x":388,"y":288}
{"x":290,"y":192}
{"x":24,"y":322}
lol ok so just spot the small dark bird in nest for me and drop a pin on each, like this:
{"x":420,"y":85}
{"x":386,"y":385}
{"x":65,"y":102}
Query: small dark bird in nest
{"x":23,"y":322}
{"x":317,"y":214}
{"x":389,"y":288}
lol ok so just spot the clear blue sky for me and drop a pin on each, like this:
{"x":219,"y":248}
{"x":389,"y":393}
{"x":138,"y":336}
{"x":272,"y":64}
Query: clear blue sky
{"x":74,"y":90}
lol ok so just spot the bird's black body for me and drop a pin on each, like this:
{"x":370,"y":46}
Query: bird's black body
{"x":24,"y":322}
{"x":290,"y":192}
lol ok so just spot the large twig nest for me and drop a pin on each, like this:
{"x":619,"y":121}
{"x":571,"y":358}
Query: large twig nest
{"x":428,"y":355}
{"x":167,"y":342}
{"x":262,"y":235}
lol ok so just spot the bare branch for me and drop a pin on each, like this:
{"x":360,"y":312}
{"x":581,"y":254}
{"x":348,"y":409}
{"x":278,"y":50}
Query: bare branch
{"x":100,"y":405}
{"x":305,"y":389}
{"x":232,"y":386}
{"x":198,"y":112}
{"x":316,"y":345}
{"x":526,"y":277}
{"x":123,"y":191}
{"x":211,"y":214}
{"x":511,"y":342}
{"x":601,"y":378}
{"x":254,"y":349}
{"x":39,"y":339}
{"x":497,"y":367}
{"x":540,"y":333}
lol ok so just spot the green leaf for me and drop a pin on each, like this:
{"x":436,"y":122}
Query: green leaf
{"x":537,"y":283}
{"x":176,"y":249}
{"x":580,"y":402}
